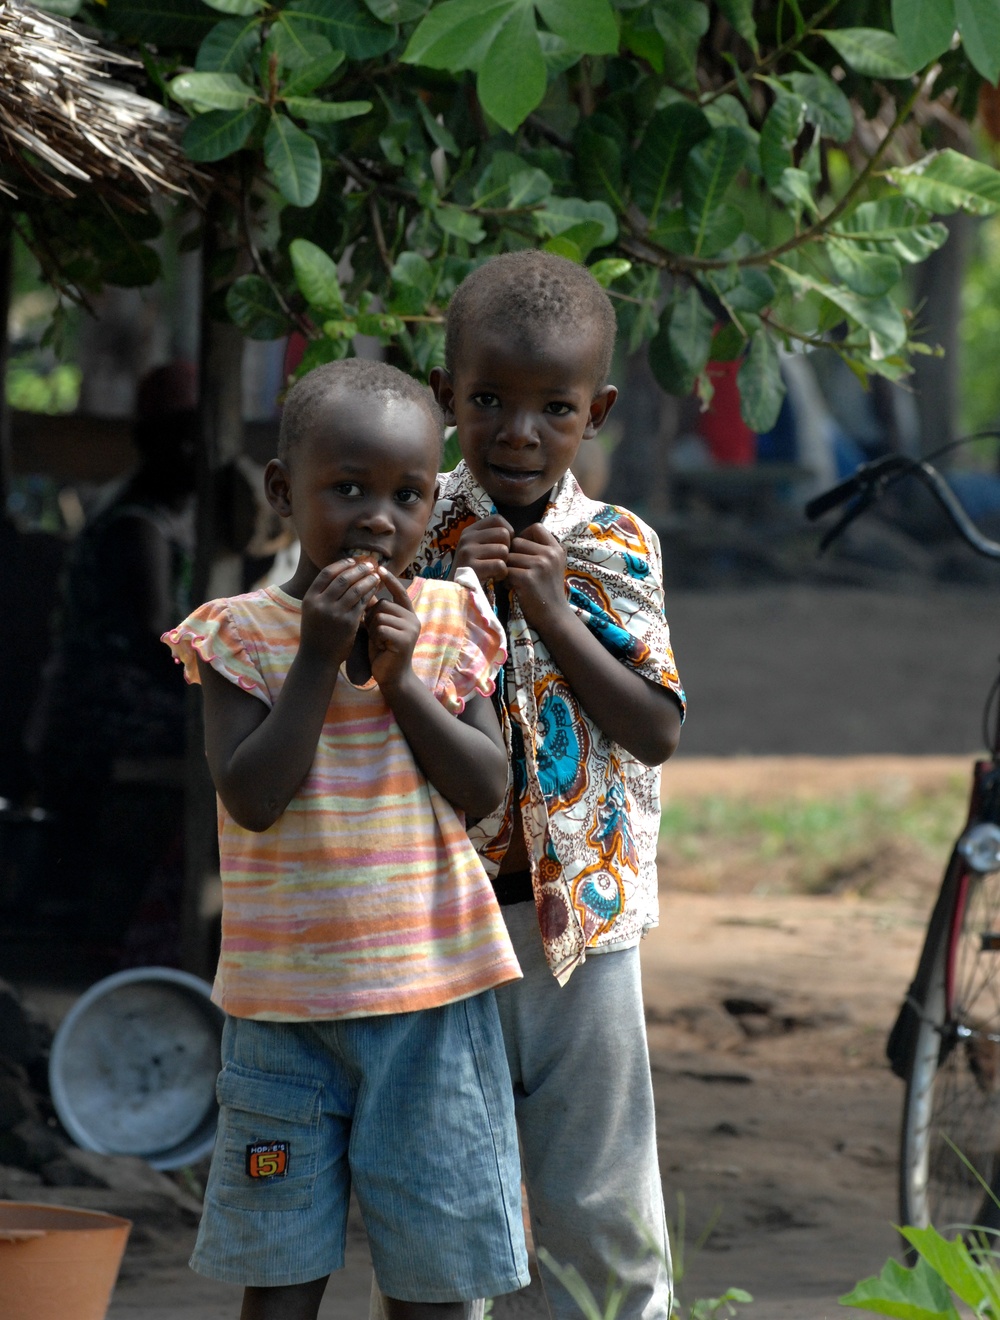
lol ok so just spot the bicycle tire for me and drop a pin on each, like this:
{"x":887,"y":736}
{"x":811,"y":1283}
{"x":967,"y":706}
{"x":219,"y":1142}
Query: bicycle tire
{"x":952,"y":1104}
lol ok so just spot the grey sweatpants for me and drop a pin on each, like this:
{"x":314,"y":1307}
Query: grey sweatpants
{"x":583,"y":1097}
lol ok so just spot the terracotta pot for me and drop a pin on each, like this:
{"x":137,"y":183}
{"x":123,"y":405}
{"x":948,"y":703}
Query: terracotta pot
{"x":57,"y":1263}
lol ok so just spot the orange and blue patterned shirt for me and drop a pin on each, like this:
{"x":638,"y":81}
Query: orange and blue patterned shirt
{"x":365,"y":896}
{"x":590,"y":810}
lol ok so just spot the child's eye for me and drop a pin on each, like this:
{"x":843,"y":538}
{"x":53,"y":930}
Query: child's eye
{"x":409,"y":497}
{"x":559,"y":409}
{"x":349,"y":488}
{"x":486,"y":400}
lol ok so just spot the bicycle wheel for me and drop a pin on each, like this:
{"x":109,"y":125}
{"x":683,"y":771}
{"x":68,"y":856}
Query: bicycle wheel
{"x":952,"y":1106}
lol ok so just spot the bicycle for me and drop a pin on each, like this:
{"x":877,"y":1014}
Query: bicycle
{"x":945,"y":1043}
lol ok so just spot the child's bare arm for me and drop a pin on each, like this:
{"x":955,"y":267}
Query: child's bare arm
{"x":259,"y":757}
{"x":464,"y":758}
{"x":638,"y":715}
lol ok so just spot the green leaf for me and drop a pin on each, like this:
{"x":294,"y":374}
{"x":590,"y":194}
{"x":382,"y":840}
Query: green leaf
{"x":316,"y":276}
{"x":438,"y":134}
{"x":564,"y":247}
{"x":708,"y":172}
{"x":691,"y":327}
{"x":947,"y":181}
{"x":346,"y":24}
{"x":527,"y":187}
{"x":760,"y":385}
{"x":924,"y":28}
{"x":397,"y":11}
{"x":318,"y":352}
{"x":219,"y":133}
{"x":293,"y":158}
{"x":728,"y":344}
{"x":381,"y":325}
{"x":457,"y":35}
{"x":170,"y":23}
{"x":916,"y":1294}
{"x":462,"y":224}
{"x":659,"y":159}
{"x":413,"y":282}
{"x":897,"y":224}
{"x":753,"y":291}
{"x":562,"y":213}
{"x":979,"y":27}
{"x":867,"y":273}
{"x":878,"y":316}
{"x":229,"y":46}
{"x":681,"y":24}
{"x":253,"y":306}
{"x":512,"y":76}
{"x":610,"y":269}
{"x":826,"y":104}
{"x":324,"y":112}
{"x":342,"y":329}
{"x":587,"y":26}
{"x":211,"y":91}
{"x":740,"y":15}
{"x":673,"y":232}
{"x":415,"y":271}
{"x":306,"y":78}
{"x":585,"y":237}
{"x":778,"y":136}
{"x":295,"y":44}
{"x":133,"y":266}
{"x":673,"y":372}
{"x":871,"y":52}
{"x":241,"y":7}
{"x":952,"y":1262}
{"x":717,"y":230}
{"x":598,"y":155}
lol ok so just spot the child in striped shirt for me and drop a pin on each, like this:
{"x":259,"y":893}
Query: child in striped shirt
{"x":348,"y":730}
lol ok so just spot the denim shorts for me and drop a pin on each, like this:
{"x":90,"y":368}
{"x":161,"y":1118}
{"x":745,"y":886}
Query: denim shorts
{"x":414,"y":1110}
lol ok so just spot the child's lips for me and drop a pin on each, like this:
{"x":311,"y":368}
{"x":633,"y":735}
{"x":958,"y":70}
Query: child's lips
{"x":519,"y":475}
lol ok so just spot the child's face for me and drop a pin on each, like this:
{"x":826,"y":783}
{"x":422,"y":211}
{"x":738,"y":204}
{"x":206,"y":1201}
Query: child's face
{"x":520,"y":414}
{"x":360,"y":479}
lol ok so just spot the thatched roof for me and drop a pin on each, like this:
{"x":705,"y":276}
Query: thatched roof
{"x":64,"y":125}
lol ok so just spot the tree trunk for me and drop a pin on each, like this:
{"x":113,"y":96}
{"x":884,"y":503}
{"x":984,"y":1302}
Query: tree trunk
{"x":217,"y":572}
{"x":6,"y":283}
{"x":937,"y":299}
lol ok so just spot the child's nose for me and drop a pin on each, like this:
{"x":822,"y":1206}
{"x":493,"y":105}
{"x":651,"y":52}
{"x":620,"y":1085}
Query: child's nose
{"x":519,"y":430}
{"x":376,"y":519}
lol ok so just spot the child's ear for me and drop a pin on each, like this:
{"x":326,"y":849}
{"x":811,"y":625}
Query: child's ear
{"x":600,"y":405}
{"x":444,"y":391}
{"x":277,"y":487}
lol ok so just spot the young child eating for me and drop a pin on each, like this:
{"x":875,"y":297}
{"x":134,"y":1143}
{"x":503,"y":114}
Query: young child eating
{"x":347,"y":731}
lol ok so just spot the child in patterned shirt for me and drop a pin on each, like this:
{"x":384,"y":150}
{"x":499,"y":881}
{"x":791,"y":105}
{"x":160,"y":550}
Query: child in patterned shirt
{"x":347,"y":730}
{"x":592,"y":705}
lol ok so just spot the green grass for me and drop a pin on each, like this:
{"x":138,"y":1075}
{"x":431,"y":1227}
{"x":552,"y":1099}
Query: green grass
{"x":813,"y":838}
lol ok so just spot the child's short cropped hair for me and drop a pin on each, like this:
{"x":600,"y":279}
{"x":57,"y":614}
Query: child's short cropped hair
{"x":531,"y":292}
{"x":357,"y":375}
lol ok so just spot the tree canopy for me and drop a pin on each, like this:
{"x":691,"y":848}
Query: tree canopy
{"x":736,"y":179}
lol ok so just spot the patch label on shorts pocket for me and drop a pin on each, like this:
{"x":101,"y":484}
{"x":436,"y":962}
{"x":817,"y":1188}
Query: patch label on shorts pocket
{"x":268,"y":1159}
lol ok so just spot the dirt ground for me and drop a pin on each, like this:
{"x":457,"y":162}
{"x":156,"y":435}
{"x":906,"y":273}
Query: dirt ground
{"x":778,"y":1126}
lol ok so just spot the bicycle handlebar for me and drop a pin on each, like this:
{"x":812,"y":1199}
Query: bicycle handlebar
{"x":870,"y":482}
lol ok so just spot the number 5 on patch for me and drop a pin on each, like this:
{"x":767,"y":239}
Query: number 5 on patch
{"x":268,"y":1159}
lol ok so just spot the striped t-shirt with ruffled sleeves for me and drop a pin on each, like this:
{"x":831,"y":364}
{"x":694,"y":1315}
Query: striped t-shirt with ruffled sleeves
{"x":365,"y":896}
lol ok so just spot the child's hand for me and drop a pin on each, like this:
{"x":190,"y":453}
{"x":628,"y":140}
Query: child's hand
{"x":536,"y":571}
{"x":333,"y":607}
{"x":393,"y":629}
{"x":484,"y":547}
